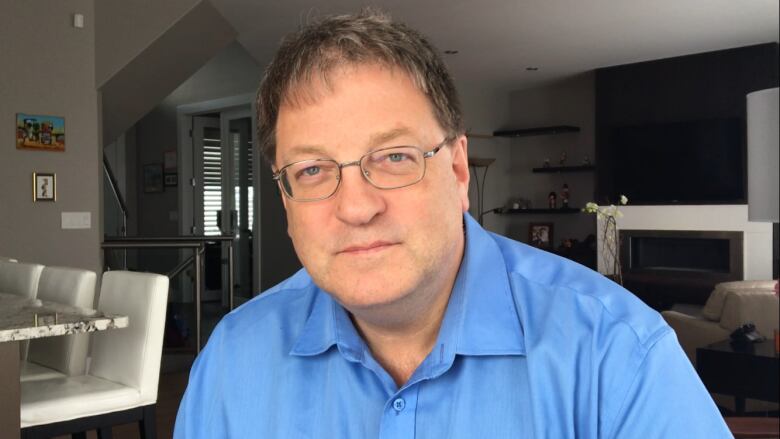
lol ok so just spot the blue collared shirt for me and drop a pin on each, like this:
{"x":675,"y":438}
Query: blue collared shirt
{"x":531,"y":346}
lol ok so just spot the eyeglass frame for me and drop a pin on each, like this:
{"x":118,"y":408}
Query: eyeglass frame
{"x":277,"y":176}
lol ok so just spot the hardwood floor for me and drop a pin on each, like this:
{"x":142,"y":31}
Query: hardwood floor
{"x":169,"y":395}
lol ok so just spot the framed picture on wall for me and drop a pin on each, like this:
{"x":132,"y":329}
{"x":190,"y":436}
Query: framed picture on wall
{"x":43,"y":133}
{"x":540,"y":235}
{"x":153,"y":178}
{"x":44,"y":186}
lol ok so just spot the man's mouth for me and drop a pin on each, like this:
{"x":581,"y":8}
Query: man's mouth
{"x":367,"y":248}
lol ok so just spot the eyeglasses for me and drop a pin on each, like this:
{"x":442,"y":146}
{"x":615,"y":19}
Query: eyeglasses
{"x":387,"y":168}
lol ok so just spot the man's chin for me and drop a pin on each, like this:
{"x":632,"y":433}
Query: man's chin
{"x":373,"y":295}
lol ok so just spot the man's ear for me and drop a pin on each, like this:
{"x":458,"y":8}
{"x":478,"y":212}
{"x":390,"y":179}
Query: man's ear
{"x":460,"y":167}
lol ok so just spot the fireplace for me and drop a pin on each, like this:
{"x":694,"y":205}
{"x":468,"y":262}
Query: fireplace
{"x":664,"y":267}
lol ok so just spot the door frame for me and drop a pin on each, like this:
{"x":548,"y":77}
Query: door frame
{"x":186,"y":192}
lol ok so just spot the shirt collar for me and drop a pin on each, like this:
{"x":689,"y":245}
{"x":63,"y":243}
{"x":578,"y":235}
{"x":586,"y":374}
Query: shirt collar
{"x":481,"y":318}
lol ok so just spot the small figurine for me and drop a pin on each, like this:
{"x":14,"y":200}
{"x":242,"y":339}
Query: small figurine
{"x":586,"y":160}
{"x":546,"y":163}
{"x":565,"y":196}
{"x":562,"y":160}
{"x":552,"y":200}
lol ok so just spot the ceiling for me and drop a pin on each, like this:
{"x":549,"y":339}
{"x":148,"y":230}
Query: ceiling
{"x":497,"y":40}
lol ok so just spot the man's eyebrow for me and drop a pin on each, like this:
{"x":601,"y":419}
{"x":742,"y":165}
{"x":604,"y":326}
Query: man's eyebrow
{"x":311,"y":151}
{"x":314,"y":151}
{"x":386,"y":136}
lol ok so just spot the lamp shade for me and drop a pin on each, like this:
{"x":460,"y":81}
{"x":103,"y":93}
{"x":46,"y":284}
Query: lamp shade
{"x":763,"y":158}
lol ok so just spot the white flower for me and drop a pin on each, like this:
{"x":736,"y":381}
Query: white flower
{"x":591,"y":207}
{"x":623,"y":200}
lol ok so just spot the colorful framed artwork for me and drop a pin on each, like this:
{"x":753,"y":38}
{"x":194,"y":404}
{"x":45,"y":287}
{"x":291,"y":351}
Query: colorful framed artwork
{"x":153,"y":178}
{"x":44,"y":186}
{"x":540,"y":235}
{"x":38,"y":132}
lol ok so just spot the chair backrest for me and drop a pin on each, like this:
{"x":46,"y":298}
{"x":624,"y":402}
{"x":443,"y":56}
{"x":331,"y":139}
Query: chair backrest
{"x":131,"y":356}
{"x":74,"y":287}
{"x":19,"y":278}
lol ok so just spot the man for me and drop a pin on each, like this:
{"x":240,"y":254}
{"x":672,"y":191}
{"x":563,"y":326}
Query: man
{"x":409,"y":320}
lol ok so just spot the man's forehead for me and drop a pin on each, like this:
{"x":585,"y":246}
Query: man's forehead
{"x":377,"y":139}
{"x":313,"y":85}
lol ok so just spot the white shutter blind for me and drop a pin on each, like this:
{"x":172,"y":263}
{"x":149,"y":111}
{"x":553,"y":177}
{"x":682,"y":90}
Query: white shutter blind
{"x":212,"y":180}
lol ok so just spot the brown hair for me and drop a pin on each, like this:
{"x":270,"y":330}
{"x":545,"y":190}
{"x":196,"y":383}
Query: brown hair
{"x":367,"y":37}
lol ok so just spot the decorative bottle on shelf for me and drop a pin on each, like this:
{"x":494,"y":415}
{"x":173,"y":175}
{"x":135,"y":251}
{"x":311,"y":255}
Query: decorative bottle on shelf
{"x":565,"y":196}
{"x":552,"y":200}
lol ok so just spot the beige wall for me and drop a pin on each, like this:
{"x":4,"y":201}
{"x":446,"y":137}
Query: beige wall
{"x":48,"y":67}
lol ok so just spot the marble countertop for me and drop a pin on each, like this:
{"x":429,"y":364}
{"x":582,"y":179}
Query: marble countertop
{"x":18,"y":317}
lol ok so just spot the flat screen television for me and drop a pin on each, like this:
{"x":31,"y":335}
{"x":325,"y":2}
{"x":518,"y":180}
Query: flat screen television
{"x":688,"y":162}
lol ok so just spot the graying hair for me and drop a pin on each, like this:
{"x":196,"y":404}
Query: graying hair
{"x":335,"y":41}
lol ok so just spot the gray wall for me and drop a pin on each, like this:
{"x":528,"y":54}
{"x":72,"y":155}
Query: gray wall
{"x":566,"y":102}
{"x":485,"y":111}
{"x":49,"y":68}
{"x":231,"y":72}
{"x":127,"y":27}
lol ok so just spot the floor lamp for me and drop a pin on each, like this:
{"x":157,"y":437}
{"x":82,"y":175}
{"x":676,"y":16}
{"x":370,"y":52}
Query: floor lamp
{"x":763,"y":158}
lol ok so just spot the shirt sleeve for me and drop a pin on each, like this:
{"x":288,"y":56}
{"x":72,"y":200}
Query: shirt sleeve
{"x":203,"y":395}
{"x":666,"y":399}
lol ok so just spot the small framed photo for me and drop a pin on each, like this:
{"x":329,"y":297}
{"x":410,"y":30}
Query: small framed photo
{"x":171,"y":180}
{"x":540,"y":235}
{"x":153,"y":178}
{"x":44,"y":186}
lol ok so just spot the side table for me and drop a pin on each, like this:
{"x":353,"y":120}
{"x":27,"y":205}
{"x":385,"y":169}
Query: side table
{"x":745,"y":373}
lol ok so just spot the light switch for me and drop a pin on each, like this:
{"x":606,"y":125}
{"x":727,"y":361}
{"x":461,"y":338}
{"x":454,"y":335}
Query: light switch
{"x":76,"y":220}
{"x":78,"y":21}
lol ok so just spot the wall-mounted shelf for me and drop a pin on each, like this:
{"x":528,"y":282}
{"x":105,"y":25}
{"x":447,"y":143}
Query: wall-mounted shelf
{"x":557,"y":169}
{"x":539,"y":131}
{"x":502,"y":211}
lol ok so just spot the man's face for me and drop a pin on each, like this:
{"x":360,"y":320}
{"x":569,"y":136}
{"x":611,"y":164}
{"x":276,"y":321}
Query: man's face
{"x":370,"y":247}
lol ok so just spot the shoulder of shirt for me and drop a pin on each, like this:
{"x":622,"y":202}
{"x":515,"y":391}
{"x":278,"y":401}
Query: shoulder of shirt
{"x":541,"y":280}
{"x":281,"y":310}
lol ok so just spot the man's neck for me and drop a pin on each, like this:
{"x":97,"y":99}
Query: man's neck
{"x":401,"y":335}
{"x":401,"y":349}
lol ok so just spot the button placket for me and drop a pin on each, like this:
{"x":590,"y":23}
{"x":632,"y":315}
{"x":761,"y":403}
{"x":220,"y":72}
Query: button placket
{"x":400,"y":415}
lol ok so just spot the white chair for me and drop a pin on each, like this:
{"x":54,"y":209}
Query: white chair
{"x":19,"y":278}
{"x":53,"y":357}
{"x":121,"y":385}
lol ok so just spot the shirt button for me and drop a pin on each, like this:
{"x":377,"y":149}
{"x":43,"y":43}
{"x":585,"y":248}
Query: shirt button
{"x":399,"y":404}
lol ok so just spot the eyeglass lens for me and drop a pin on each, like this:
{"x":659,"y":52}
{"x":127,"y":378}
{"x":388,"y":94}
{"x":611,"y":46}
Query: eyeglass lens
{"x":387,"y":168}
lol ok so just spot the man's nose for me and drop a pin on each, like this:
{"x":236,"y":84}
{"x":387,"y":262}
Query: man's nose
{"x":357,"y":201}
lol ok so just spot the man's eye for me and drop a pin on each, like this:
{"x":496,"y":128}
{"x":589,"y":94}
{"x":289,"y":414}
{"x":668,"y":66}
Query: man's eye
{"x":309,"y":171}
{"x":397,"y":157}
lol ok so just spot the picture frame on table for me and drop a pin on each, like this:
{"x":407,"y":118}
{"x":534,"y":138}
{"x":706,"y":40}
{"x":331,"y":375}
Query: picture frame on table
{"x":44,"y":186}
{"x":541,"y":235}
